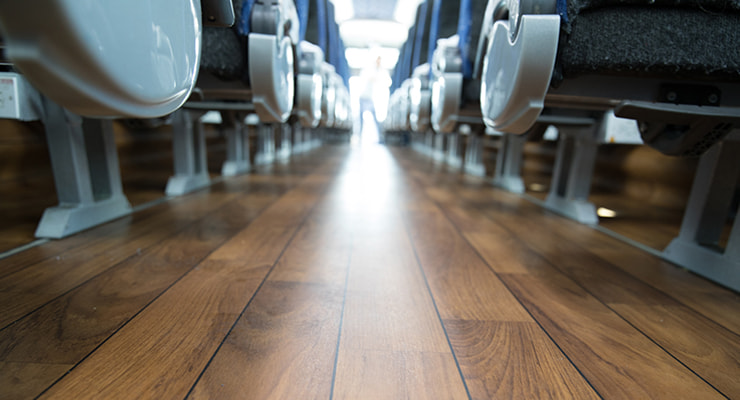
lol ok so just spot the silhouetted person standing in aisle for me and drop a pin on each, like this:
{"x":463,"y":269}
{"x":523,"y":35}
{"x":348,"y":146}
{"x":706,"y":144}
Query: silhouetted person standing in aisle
{"x":374,"y":80}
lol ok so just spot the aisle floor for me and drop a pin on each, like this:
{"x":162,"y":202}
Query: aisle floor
{"x":358,"y":273}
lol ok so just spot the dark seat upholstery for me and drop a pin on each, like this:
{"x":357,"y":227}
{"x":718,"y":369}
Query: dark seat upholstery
{"x":316,"y":24}
{"x":684,"y":42}
{"x":445,"y":19}
{"x":224,"y":50}
{"x":468,"y":30}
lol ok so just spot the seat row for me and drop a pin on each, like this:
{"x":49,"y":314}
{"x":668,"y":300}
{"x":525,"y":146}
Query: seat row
{"x":273,"y":68}
{"x":579,"y":69}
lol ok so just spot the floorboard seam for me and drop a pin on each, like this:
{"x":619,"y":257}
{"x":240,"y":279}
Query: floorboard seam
{"x":59,"y":253}
{"x":176,"y":232}
{"x":639,"y":246}
{"x":434,"y":301}
{"x":135,"y":254}
{"x":657,"y":344}
{"x":590,"y":293}
{"x":577,"y":284}
{"x":267,"y":276}
{"x":138,"y":312}
{"x":160,"y":294}
{"x":480,"y":256}
{"x":628,"y":241}
{"x":439,"y":316}
{"x":605,"y":304}
{"x":341,"y":320}
{"x":141,"y":207}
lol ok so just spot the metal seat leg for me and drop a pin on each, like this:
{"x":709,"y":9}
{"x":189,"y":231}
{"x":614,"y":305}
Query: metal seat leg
{"x":428,"y":148}
{"x":265,"y":144}
{"x":438,"y":151}
{"x":710,"y":202}
{"x":474,"y":155}
{"x":86,"y":173}
{"x":297,"y":141}
{"x":189,"y":151}
{"x":574,"y":168}
{"x":237,"y":144}
{"x":455,"y":149}
{"x":283,"y":142}
{"x":508,"y":174}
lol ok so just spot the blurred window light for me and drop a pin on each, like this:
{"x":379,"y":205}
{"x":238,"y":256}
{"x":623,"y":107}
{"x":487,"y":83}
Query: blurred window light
{"x":343,"y":10}
{"x":359,"y":58}
{"x":405,"y":12}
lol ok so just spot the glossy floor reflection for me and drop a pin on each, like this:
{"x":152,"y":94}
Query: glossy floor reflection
{"x":358,"y":272}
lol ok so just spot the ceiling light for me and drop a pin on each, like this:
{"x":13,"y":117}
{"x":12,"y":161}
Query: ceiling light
{"x":372,"y":32}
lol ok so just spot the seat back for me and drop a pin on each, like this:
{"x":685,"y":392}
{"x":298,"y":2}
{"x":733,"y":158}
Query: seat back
{"x":316,"y":24}
{"x":444,"y":22}
{"x":468,"y":29}
{"x":411,"y":54}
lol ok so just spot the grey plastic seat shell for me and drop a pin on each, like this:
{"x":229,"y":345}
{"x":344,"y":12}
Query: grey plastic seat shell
{"x":309,"y":85}
{"x":134,"y":58}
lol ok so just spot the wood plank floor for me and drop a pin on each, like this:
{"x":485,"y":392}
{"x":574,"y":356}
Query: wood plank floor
{"x":358,"y":273}
{"x":27,"y":184}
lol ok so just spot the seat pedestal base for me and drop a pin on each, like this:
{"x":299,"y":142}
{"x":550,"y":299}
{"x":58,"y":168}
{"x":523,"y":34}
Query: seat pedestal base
{"x":710,"y":203}
{"x":189,"y":151}
{"x":237,"y":144}
{"x":86,"y":173}
{"x":571,"y":182}
{"x":508,"y":174}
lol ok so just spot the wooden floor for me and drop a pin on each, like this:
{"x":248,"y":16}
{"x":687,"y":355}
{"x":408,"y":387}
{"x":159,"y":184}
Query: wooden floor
{"x":358,"y":273}
{"x":27,"y":183}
